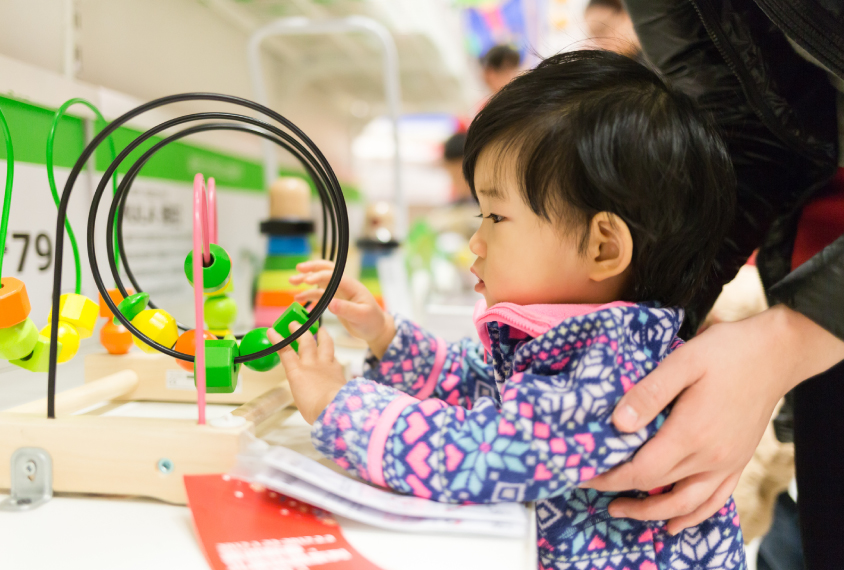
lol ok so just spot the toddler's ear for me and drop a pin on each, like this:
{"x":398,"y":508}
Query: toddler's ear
{"x":610,"y":248}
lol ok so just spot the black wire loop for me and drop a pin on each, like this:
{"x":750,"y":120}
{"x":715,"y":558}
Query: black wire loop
{"x":335,"y":227}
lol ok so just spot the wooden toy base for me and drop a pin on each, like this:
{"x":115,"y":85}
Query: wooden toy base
{"x":161,"y":379}
{"x":137,"y":456}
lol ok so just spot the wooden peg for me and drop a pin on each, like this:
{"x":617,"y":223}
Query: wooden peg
{"x":290,"y":198}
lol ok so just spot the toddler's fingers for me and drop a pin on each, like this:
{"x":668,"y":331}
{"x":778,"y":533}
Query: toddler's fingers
{"x":307,"y":345}
{"x":325,"y":345}
{"x":288,"y":356}
{"x":314,"y":265}
{"x":320,"y":278}
{"x":349,"y":310}
{"x":312,"y":295}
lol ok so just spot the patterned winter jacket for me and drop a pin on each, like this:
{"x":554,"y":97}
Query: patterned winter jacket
{"x":435,"y":420}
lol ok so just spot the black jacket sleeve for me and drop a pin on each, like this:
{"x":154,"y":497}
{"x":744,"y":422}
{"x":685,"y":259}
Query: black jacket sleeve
{"x":815,"y":288}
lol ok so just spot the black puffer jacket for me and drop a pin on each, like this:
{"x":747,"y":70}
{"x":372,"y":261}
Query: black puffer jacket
{"x":777,"y":113}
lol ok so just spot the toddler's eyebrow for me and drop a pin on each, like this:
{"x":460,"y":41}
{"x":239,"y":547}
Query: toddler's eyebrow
{"x":491,"y":193}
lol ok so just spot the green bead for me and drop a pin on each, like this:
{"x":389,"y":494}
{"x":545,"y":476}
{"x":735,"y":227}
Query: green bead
{"x":132,"y":306}
{"x":216,"y":275}
{"x":294,"y":313}
{"x":220,"y":370}
{"x":18,"y":341}
{"x":39,"y":359}
{"x":256,"y":341}
{"x":220,"y":312}
{"x":282,"y":262}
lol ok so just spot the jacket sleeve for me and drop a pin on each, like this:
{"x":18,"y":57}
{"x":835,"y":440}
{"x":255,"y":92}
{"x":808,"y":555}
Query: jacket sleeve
{"x":422,"y":365}
{"x":815,"y":288}
{"x":549,"y":434}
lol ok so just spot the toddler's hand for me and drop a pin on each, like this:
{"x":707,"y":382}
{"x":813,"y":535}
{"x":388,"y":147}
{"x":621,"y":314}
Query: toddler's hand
{"x":353,"y":304}
{"x":314,"y":376}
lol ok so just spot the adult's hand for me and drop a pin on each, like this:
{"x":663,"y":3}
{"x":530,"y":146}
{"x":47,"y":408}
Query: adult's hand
{"x":728,"y":381}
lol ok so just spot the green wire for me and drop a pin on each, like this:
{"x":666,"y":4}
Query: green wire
{"x":50,"y":140}
{"x":10,"y":177}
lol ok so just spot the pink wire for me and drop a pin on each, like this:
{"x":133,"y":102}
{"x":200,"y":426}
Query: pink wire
{"x":200,"y":241}
{"x":212,"y":210}
{"x":206,"y":235}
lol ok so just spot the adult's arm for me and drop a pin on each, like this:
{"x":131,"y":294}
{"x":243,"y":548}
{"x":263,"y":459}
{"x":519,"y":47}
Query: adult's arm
{"x":730,"y":378}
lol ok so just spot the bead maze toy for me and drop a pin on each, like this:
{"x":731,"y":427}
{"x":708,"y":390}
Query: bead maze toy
{"x":144,"y":456}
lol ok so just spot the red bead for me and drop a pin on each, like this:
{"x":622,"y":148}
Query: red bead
{"x":187,"y":345}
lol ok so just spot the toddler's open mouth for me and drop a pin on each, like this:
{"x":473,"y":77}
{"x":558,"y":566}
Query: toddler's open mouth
{"x":479,"y":286}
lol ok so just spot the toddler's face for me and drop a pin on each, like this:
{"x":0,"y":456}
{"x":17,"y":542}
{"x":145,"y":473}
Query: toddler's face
{"x":522,"y":258}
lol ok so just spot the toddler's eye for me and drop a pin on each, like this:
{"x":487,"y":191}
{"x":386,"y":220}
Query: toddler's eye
{"x":495,"y":218}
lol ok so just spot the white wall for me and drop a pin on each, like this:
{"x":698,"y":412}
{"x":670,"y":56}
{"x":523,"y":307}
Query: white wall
{"x":151,"y":48}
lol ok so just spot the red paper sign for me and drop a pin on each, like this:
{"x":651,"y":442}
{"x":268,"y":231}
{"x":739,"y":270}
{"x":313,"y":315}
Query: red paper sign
{"x":243,"y":526}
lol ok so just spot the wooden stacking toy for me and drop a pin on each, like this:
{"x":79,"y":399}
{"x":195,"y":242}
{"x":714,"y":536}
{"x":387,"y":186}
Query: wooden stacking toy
{"x":288,"y":231}
{"x":377,"y":242}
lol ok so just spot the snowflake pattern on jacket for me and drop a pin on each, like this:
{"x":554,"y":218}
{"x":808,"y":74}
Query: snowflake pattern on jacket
{"x":434,"y":420}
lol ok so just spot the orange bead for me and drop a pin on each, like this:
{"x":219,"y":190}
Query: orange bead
{"x":116,"y":297}
{"x":14,"y":302}
{"x":187,"y":345}
{"x":115,"y":338}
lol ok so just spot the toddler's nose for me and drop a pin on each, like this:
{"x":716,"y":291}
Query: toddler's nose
{"x":477,"y":244}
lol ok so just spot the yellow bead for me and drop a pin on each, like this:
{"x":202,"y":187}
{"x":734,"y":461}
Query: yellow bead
{"x":158,"y":326}
{"x":69,"y":339}
{"x":39,"y":359}
{"x":79,"y":311}
{"x":226,"y":290}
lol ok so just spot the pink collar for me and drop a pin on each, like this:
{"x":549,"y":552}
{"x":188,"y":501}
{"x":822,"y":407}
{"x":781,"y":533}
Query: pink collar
{"x":533,"y":320}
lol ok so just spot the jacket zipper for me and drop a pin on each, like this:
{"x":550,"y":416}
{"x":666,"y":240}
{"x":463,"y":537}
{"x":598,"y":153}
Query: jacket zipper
{"x":727,"y":52}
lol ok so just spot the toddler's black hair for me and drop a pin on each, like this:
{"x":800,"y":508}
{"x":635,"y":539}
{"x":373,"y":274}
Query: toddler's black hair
{"x":594,"y":131}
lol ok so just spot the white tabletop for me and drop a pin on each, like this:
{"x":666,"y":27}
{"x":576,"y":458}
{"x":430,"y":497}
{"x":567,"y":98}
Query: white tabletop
{"x":109,"y":533}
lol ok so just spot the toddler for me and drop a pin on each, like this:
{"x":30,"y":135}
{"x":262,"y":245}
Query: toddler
{"x":604,"y":196}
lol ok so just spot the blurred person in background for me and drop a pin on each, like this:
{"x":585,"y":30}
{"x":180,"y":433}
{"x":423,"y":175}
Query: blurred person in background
{"x":500,"y":65}
{"x":609,"y":27}
{"x":453,"y":163}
